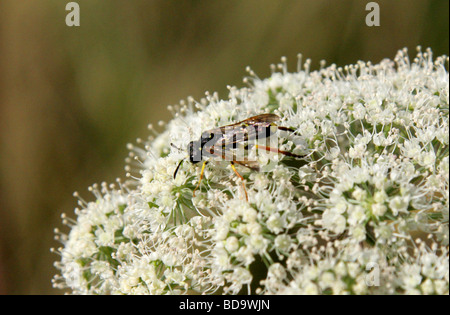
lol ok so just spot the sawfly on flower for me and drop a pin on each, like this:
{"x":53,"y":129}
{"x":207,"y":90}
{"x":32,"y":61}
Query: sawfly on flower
{"x":224,"y":142}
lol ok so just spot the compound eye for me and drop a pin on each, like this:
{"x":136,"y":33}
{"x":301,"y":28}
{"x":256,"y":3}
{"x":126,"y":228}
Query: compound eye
{"x":206,"y":136}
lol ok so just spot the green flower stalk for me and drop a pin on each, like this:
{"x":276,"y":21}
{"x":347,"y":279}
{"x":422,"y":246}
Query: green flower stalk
{"x":365,"y":211}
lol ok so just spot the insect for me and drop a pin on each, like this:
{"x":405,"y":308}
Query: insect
{"x":219,"y":142}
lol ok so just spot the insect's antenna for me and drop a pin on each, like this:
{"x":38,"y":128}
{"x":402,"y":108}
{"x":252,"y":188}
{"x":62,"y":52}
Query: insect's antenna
{"x":176,"y":170}
{"x":174,"y":146}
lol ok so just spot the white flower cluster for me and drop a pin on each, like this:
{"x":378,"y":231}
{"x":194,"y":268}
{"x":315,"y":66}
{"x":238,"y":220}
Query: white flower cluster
{"x":364,"y":212}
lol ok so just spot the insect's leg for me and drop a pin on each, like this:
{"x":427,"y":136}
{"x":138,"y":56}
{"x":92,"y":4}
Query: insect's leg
{"x":176,"y":170}
{"x":201,"y":176}
{"x":286,"y":129}
{"x":242,"y":178}
{"x":276,"y":150}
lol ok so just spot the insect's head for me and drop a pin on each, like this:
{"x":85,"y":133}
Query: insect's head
{"x":194,"y":150}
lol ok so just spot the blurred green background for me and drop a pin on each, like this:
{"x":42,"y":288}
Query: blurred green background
{"x":71,"y":98}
